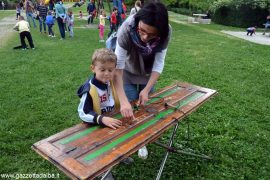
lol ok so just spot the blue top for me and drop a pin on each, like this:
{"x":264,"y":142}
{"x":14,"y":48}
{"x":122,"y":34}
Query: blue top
{"x":49,"y":20}
{"x":60,"y":11}
{"x":91,"y":7}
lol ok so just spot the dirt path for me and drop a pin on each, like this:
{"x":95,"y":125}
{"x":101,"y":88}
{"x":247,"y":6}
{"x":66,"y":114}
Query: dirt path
{"x":256,"y":38}
{"x":6,"y":25}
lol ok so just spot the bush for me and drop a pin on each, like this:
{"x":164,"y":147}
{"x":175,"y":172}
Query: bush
{"x":10,"y":4}
{"x":240,"y":13}
{"x":242,"y":17}
{"x":181,"y":11}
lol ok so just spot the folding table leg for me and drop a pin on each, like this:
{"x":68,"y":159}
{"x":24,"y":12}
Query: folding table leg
{"x":167,"y":153}
{"x":106,"y":174}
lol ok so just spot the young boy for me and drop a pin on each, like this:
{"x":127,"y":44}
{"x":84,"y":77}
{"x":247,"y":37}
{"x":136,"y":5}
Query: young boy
{"x":50,"y":23}
{"x":24,"y":29}
{"x":251,"y":30}
{"x":97,"y":94}
{"x":70,"y":22}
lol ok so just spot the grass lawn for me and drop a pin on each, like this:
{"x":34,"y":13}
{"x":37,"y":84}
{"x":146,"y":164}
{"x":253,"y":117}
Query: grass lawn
{"x":38,"y":99}
{"x":6,"y":13}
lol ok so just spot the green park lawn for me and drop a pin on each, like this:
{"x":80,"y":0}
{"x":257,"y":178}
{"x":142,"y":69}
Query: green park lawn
{"x":7,"y":13}
{"x":38,"y":99}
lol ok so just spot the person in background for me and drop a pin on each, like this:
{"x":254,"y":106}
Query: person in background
{"x":70,"y":22}
{"x":43,"y":10}
{"x":267,"y":24}
{"x":29,"y":9}
{"x":91,"y":9}
{"x":251,"y":30}
{"x":3,"y":5}
{"x":123,"y":14}
{"x":80,"y":14}
{"x":21,"y":4}
{"x":113,"y":21}
{"x":102,"y":18}
{"x":18,"y":10}
{"x":119,"y":5}
{"x":50,"y":23}
{"x":24,"y":30}
{"x":136,"y":8}
{"x":141,"y":49}
{"x":60,"y":15}
{"x":51,"y":5}
{"x":78,"y":4}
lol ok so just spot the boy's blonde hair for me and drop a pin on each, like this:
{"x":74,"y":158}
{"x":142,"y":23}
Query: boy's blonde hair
{"x":104,"y":55}
{"x":21,"y":18}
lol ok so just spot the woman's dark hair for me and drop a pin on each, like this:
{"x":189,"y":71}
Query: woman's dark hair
{"x":154,"y":14}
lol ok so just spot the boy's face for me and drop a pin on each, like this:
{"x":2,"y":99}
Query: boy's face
{"x":104,"y":71}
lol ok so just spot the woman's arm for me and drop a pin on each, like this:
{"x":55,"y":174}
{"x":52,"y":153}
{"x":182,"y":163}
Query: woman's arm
{"x":125,"y":107}
{"x":143,"y":96}
{"x":156,"y":71}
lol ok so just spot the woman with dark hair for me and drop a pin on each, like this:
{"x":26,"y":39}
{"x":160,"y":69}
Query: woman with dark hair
{"x":60,"y":14}
{"x":141,"y":47}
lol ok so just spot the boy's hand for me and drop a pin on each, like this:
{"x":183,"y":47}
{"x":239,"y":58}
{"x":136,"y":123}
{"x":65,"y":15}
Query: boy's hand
{"x":111,"y":122}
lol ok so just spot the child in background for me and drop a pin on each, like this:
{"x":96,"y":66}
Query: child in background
{"x":18,"y":10}
{"x":24,"y":29}
{"x":97,"y":93}
{"x":251,"y":30}
{"x":113,"y":21}
{"x":80,"y":14}
{"x":70,"y":22}
{"x":50,"y":23}
{"x":102,"y":18}
{"x":123,"y":14}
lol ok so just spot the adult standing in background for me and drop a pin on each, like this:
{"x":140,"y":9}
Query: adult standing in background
{"x":43,"y":10}
{"x":60,"y":15}
{"x":51,"y":5}
{"x":141,"y":49}
{"x":21,"y":4}
{"x":267,"y":24}
{"x":29,"y":9}
{"x":3,"y":5}
{"x":136,"y":8}
{"x":91,"y":9}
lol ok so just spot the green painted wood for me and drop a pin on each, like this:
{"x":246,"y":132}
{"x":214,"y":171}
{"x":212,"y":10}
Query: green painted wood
{"x":117,"y":116}
{"x":140,"y":128}
{"x":78,"y":135}
{"x":154,"y":99}
{"x":166,"y":93}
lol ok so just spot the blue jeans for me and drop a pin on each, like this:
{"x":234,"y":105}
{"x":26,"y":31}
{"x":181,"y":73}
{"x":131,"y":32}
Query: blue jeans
{"x":29,"y":14}
{"x":133,"y":90}
{"x":71,"y":33}
{"x":42,"y":22}
{"x":50,"y":29}
{"x":61,"y":26}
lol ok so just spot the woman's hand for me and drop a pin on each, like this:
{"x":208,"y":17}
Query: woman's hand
{"x":126,"y":110}
{"x":143,"y":97}
{"x":111,"y":122}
